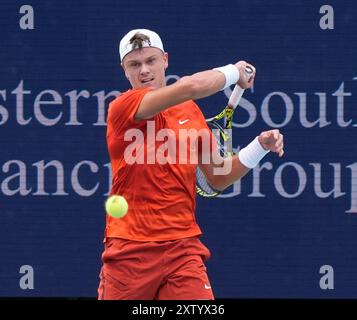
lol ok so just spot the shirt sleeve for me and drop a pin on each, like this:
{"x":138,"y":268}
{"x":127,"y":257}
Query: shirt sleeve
{"x":122,"y":110}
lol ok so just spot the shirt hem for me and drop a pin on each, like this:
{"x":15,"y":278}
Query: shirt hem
{"x":149,"y":239}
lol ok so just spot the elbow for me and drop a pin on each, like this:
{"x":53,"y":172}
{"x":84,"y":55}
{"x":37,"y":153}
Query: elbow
{"x":218,"y":183}
{"x":219,"y":188}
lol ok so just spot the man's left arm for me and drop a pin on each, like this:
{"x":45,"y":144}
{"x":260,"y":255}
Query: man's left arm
{"x":239,"y":165}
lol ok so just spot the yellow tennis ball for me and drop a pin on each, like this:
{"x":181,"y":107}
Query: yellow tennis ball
{"x":116,"y":206}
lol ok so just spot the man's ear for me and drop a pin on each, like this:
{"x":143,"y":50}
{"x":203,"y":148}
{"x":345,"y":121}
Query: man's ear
{"x":166,"y":59}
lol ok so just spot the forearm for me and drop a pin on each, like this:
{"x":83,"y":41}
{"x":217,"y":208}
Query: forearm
{"x":197,"y":86}
{"x":234,"y":168}
{"x":238,"y":171}
{"x":205,"y":83}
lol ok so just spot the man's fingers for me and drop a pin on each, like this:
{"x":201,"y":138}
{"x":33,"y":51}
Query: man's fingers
{"x":279,"y":142}
{"x":276,"y":134}
{"x":274,"y":141}
{"x":265,"y":135}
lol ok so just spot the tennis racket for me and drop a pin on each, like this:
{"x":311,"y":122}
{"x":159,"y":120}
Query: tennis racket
{"x":222,"y":135}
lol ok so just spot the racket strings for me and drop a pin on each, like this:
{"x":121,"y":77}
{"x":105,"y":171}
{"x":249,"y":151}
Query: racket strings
{"x":223,"y":142}
{"x":202,"y":185}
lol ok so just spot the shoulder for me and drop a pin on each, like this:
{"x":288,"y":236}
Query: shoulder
{"x":129,"y":96}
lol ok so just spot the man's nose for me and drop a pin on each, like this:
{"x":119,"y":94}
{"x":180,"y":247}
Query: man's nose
{"x":144,"y":69}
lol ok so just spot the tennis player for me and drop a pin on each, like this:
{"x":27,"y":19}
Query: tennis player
{"x":154,"y":251}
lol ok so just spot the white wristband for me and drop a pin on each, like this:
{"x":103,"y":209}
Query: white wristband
{"x":231,"y":73}
{"x":252,"y":154}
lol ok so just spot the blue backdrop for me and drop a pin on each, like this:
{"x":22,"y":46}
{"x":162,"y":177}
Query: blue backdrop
{"x":270,"y":234}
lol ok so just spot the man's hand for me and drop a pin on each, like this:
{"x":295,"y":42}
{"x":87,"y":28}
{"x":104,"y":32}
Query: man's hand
{"x":244,"y":81}
{"x":272,"y":140}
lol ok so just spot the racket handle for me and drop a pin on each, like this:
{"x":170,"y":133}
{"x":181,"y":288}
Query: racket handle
{"x":238,"y":91}
{"x":235,"y":96}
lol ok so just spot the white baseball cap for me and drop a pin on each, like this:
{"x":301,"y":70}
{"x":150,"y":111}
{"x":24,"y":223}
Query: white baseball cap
{"x":125,"y":46}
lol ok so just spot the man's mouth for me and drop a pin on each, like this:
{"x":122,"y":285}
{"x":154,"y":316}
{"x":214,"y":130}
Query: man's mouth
{"x":147,"y":80}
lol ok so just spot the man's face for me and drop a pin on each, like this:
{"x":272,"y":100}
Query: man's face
{"x":146,"y":67}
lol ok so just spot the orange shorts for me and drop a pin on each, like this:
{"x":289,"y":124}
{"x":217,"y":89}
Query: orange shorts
{"x":168,"y":270}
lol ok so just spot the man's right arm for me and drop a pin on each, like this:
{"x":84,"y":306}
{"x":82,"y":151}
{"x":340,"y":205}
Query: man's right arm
{"x":196,"y":86}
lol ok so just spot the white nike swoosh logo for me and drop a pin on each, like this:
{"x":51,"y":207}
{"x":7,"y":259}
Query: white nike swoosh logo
{"x":207,"y":287}
{"x":183,"y":121}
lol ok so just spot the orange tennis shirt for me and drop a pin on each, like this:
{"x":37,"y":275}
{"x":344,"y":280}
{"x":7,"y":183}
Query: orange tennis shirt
{"x":161,"y":196}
